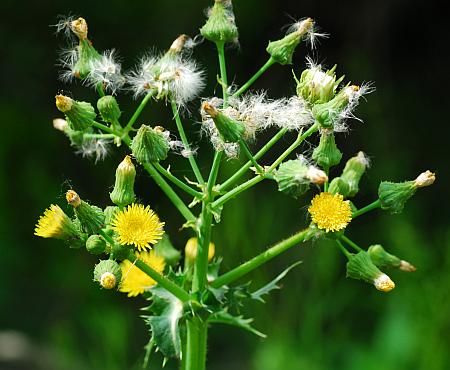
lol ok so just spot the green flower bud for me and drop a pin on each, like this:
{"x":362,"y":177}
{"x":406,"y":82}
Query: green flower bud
{"x":383,"y":259}
{"x":327,"y":114}
{"x":91,"y":217}
{"x":95,"y":244}
{"x":229,"y":129}
{"x":283,"y":50}
{"x":220,"y":26}
{"x":338,"y":186}
{"x":123,"y":192}
{"x":361,"y":267}
{"x":327,"y":154}
{"x":150,"y":144}
{"x":109,"y":109}
{"x":295,"y":176}
{"x":348,"y":183}
{"x":108,"y":274}
{"x":317,"y":86}
{"x":80,"y":115}
{"x":110,"y":213}
{"x":393,"y":195}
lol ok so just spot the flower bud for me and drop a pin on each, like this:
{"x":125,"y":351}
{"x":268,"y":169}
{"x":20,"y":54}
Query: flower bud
{"x":91,"y":217}
{"x":383,"y":259}
{"x":283,"y":50}
{"x":316,"y":86}
{"x":295,"y":176}
{"x":361,"y":267}
{"x":328,"y":113}
{"x":229,"y":129}
{"x":95,"y":244}
{"x":338,"y":186}
{"x":348,"y":183}
{"x":393,"y":195}
{"x":80,"y":115}
{"x":191,"y":248}
{"x":109,"y":109}
{"x":327,"y":154}
{"x":150,"y":145}
{"x":110,"y":213}
{"x":123,"y":192}
{"x":220,"y":26}
{"x":108,"y":274}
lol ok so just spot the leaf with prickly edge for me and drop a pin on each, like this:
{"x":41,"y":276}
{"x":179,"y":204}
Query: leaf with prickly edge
{"x":223,"y":317}
{"x":165,"y":249}
{"x":164,"y":323}
{"x":266,"y":289}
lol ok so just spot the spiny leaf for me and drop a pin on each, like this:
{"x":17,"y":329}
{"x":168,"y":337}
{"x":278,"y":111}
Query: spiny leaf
{"x":266,"y":289}
{"x":224,"y":317}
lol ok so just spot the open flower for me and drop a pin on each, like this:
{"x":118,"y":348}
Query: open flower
{"x":330,"y":212}
{"x":138,"y":225}
{"x":54,"y":223}
{"x":134,"y":281}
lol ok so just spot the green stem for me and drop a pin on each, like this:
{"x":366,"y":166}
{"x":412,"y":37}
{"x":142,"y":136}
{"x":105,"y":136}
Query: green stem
{"x":235,"y":191}
{"x":223,"y":71}
{"x":247,"y":165}
{"x":262,"y":258}
{"x":167,"y":284}
{"x":248,"y":153}
{"x":343,"y":249}
{"x":351,"y":243}
{"x":137,"y":113}
{"x":195,"y":358}
{"x":264,"y":68}
{"x":180,"y":128}
{"x":105,"y":128}
{"x":177,"y":181}
{"x":100,"y":90}
{"x":179,"y":204}
{"x":99,"y":136}
{"x":326,"y":183}
{"x":371,"y":206}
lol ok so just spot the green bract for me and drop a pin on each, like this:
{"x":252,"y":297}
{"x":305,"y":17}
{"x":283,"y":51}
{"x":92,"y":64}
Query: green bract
{"x":220,"y":26}
{"x":149,"y":145}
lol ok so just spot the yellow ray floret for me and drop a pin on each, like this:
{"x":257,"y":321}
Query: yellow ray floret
{"x":54,"y":223}
{"x":138,"y":225}
{"x":134,"y":281}
{"x":330,"y":212}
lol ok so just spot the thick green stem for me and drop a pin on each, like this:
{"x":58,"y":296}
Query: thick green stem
{"x":176,"y":200}
{"x":249,"y":83}
{"x":262,"y":258}
{"x":370,"y":207}
{"x":167,"y":284}
{"x":355,"y":246}
{"x":184,"y":139}
{"x":177,"y":181}
{"x":137,"y":113}
{"x":247,"y":165}
{"x":195,"y":357}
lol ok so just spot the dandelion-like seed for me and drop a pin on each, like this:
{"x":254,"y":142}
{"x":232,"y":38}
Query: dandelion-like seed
{"x":330,"y":212}
{"x":106,"y":71}
{"x":54,"y":223}
{"x":138,"y":225}
{"x":134,"y":281}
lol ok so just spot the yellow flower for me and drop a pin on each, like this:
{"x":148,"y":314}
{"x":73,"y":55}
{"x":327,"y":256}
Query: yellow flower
{"x":134,"y":281}
{"x":330,"y":212}
{"x":138,"y":225}
{"x":54,"y":223}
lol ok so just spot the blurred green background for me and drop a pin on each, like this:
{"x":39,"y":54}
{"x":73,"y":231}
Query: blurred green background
{"x":51,"y":314}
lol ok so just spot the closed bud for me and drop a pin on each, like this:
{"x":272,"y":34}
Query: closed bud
{"x":283,"y":50}
{"x":123,"y":192}
{"x":109,"y":109}
{"x":327,"y":154}
{"x":191,"y":250}
{"x":383,"y":259}
{"x":295,"y":176}
{"x":338,"y":186}
{"x":230,"y":130}
{"x":361,"y":267}
{"x":393,"y":195}
{"x":348,"y":183}
{"x":95,"y":244}
{"x":90,"y":217}
{"x":316,"y":86}
{"x":80,"y":115}
{"x":150,"y":145}
{"x":220,"y":26}
{"x":108,"y":274}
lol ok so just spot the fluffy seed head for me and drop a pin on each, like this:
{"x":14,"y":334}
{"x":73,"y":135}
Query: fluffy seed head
{"x":330,"y":212}
{"x":105,"y":71}
{"x":60,"y":124}
{"x":316,"y":176}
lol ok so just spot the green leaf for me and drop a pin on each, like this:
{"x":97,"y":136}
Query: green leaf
{"x":224,"y":317}
{"x":167,"y":311}
{"x":266,"y":289}
{"x":165,"y":249}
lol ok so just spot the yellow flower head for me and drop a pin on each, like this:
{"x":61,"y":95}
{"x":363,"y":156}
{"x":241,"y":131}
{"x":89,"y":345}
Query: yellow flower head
{"x":330,"y":211}
{"x":54,"y":223}
{"x":138,"y":225}
{"x":134,"y":281}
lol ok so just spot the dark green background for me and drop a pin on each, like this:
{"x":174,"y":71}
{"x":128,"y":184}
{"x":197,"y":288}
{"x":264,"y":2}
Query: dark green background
{"x":320,"y":320}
